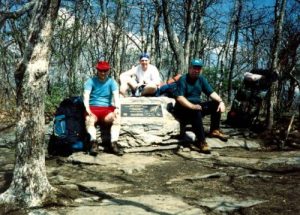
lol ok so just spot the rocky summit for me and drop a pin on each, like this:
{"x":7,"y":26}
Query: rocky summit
{"x":241,"y":176}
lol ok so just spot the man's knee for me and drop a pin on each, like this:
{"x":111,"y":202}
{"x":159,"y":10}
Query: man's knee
{"x":109,"y":119}
{"x":90,"y":120}
{"x":149,"y":89}
{"x":124,"y":79}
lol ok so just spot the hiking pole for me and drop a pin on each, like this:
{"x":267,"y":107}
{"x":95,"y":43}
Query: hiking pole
{"x":288,"y":131}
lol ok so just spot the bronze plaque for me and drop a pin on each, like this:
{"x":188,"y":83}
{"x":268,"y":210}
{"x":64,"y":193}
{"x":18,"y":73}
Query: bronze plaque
{"x":141,"y":110}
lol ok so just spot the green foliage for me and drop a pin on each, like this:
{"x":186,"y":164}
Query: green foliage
{"x":213,"y":76}
{"x":236,"y":83}
{"x":54,"y":96}
{"x":76,"y":88}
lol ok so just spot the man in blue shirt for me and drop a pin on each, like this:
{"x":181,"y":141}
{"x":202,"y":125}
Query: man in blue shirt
{"x":101,"y":101}
{"x":190,"y":109}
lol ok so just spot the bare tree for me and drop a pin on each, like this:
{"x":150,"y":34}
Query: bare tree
{"x":238,"y":11}
{"x":117,"y":40}
{"x":30,"y":186}
{"x":156,"y":49}
{"x":288,"y":59}
{"x":181,"y":52}
{"x":15,"y":15}
{"x":279,"y":15}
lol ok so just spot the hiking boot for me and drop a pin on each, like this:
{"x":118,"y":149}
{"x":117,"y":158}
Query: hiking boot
{"x":116,"y":149}
{"x":203,"y":147}
{"x":94,"y":148}
{"x":218,"y":134}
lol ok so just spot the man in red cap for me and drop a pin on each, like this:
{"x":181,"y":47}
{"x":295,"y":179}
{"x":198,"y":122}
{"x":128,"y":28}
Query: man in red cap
{"x":101,"y":100}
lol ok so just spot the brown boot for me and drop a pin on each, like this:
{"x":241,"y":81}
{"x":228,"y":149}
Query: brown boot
{"x":218,"y":134}
{"x":203,"y":147}
{"x":116,"y":149}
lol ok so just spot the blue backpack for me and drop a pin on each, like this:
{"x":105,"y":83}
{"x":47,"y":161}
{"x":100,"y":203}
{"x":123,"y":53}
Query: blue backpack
{"x":169,"y":89}
{"x":69,"y":133}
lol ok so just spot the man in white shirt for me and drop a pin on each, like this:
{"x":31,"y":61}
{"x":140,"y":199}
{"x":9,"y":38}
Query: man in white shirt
{"x":143,"y":79}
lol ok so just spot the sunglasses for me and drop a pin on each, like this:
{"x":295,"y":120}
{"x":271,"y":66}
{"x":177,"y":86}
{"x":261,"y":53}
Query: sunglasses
{"x":102,"y":71}
{"x":197,"y":67}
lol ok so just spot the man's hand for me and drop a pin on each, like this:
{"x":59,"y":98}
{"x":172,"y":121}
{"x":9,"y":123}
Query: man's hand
{"x":196,"y":107}
{"x":117,"y":111}
{"x":117,"y":116}
{"x":141,"y":84}
{"x":221,"y":107}
{"x":91,"y":114}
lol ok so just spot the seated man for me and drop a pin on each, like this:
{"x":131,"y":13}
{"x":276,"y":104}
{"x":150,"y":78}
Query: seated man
{"x":189,"y":109}
{"x":98,"y":94}
{"x":143,"y":79}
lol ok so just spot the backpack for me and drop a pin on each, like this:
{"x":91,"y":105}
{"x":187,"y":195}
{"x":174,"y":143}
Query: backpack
{"x":247,"y":104}
{"x":69,"y":133}
{"x":169,"y":88}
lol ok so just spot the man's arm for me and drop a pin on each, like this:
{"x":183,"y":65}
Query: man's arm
{"x":128,"y":73}
{"x":116,"y":99}
{"x":156,"y":77}
{"x":117,"y":103}
{"x":217,"y":98}
{"x":185,"y":103}
{"x":86,"y":101}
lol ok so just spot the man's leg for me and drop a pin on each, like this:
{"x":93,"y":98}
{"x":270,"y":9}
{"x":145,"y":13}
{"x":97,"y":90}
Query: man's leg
{"x":114,"y":122}
{"x":210,"y":108}
{"x":149,"y":89}
{"x":193,"y":117}
{"x":126,"y":82}
{"x":197,"y":125}
{"x":90,"y":122}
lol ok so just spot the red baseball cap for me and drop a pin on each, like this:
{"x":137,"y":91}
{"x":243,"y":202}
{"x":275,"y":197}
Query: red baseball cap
{"x":102,"y":65}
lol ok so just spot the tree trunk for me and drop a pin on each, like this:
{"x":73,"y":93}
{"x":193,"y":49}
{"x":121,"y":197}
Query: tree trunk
{"x":30,"y":186}
{"x":198,"y":46}
{"x":75,"y":50}
{"x":279,"y":14}
{"x":238,"y":9}
{"x":224,"y":52}
{"x":188,"y":31}
{"x":173,"y":39}
{"x":115,"y":54}
{"x":156,"y":44}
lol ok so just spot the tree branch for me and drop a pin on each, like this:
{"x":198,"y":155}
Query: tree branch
{"x":4,"y":15}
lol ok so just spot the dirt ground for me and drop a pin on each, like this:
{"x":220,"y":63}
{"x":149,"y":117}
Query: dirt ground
{"x":280,"y":190}
{"x":174,"y":175}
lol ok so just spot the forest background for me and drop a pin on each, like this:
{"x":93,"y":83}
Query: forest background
{"x":49,"y":47}
{"x":232,"y":37}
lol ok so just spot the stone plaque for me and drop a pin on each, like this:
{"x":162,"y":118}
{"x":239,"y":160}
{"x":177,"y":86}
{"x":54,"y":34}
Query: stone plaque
{"x":141,"y":110}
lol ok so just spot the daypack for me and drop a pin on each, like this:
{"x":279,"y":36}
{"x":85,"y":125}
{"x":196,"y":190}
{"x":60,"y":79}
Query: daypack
{"x":169,"y":88}
{"x":69,"y":133}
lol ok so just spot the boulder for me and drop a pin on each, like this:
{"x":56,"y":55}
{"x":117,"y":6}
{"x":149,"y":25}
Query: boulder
{"x":147,"y":121}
